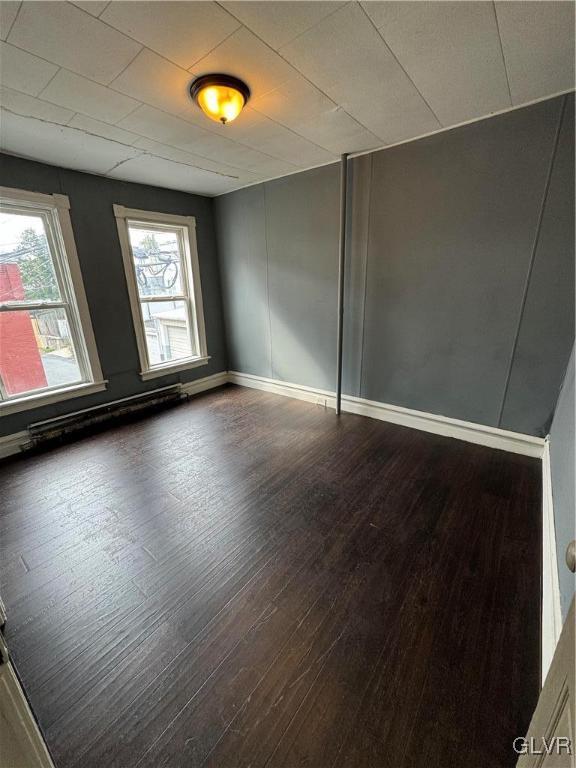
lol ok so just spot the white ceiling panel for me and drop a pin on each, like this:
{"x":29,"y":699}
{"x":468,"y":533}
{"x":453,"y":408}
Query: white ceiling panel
{"x":60,"y":145}
{"x":66,"y":35}
{"x":347,"y":59}
{"x":180,"y":31}
{"x":302,"y":107}
{"x":98,"y":128}
{"x":337,"y":132}
{"x":279,"y":23}
{"x":23,"y":71}
{"x":261,"y":133}
{"x":244,"y":56}
{"x":82,"y":95}
{"x":160,"y":126}
{"x":326,"y":78}
{"x":28,"y":106}
{"x":538,"y":44}
{"x":8,"y":12}
{"x":180,"y":156}
{"x":451,"y":51}
{"x":181,"y":134}
{"x":148,"y":169}
{"x":94,"y":7}
{"x":156,"y":81}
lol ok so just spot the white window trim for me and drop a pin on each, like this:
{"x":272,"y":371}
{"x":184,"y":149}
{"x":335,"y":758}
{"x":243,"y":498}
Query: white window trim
{"x":188,"y":223}
{"x":60,"y":205}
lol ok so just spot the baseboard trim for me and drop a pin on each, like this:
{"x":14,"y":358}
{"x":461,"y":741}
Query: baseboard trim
{"x":17,"y":442}
{"x":551,"y":610}
{"x":207,"y":382}
{"x":480,"y":434}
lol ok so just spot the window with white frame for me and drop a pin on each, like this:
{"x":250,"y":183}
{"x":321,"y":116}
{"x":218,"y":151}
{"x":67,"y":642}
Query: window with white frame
{"x":47,"y":347}
{"x":161,"y":263}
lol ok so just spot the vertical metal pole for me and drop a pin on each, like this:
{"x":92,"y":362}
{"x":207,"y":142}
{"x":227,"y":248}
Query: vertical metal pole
{"x":341,"y":267}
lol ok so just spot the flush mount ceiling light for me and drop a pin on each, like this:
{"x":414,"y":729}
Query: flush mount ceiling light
{"x":220,"y":97}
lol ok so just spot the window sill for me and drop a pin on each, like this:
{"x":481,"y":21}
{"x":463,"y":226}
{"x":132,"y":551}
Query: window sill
{"x":166,"y":370}
{"x":49,"y":398}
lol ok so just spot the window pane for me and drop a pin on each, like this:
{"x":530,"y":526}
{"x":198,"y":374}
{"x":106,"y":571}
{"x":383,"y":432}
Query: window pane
{"x":167,"y":331}
{"x":26,"y":268}
{"x":36,"y":351}
{"x":157,"y":261}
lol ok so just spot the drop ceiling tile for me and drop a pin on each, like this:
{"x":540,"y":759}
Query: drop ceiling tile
{"x":295,"y":100}
{"x":347,"y":59}
{"x":248,"y":58}
{"x":66,"y":35}
{"x":278,"y":23}
{"x":187,"y":158}
{"x":98,"y":128}
{"x":175,"y":132}
{"x":301,"y":106}
{"x":23,"y":71}
{"x":28,"y":106}
{"x":164,"y":173}
{"x":451,"y":51}
{"x":261,"y":133}
{"x":8,"y":12}
{"x":337,"y":132}
{"x":82,"y":95}
{"x":94,"y":7}
{"x":160,"y":126}
{"x":60,"y":145}
{"x":538,"y":43}
{"x":181,"y":31}
{"x":156,"y":81}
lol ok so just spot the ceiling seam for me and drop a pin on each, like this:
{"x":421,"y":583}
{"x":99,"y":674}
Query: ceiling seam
{"x":397,"y":60}
{"x":13,"y":21}
{"x":46,"y":86}
{"x":502,"y":52}
{"x":104,"y":9}
{"x":189,"y":69}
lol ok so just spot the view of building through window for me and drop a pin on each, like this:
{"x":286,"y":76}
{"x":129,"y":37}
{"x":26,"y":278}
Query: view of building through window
{"x":36,"y":348}
{"x":163,"y":291}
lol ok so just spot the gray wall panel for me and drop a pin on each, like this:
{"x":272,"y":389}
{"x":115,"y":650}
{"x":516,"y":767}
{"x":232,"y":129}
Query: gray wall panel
{"x":563,"y":462}
{"x":302,"y":239}
{"x":453,"y":220}
{"x":96,"y":235}
{"x":241,"y":226}
{"x":547,"y":327}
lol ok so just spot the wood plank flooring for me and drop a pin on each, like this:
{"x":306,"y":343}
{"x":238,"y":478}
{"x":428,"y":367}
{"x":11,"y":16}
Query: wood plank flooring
{"x":248,"y":580}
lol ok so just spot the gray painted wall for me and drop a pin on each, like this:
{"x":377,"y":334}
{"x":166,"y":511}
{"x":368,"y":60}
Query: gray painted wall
{"x":562,"y":460}
{"x":460,"y":279}
{"x":96,"y":235}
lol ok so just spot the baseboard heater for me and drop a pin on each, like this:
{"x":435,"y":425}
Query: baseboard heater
{"x":63,"y":427}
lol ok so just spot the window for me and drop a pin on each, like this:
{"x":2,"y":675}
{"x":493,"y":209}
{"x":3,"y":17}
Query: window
{"x":47,"y":348}
{"x":161,"y":263}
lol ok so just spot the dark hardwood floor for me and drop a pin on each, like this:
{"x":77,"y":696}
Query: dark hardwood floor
{"x":248,"y":580}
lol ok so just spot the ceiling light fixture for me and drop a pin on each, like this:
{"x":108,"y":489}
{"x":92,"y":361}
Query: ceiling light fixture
{"x":220,"y":97}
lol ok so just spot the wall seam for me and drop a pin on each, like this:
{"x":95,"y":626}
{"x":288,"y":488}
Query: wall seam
{"x":366,"y":249}
{"x":267,"y":279}
{"x":532,"y":259}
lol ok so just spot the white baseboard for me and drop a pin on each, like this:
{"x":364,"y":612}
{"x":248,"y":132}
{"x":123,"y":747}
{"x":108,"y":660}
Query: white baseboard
{"x":480,"y":434}
{"x":551,"y":611}
{"x":208,"y":382}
